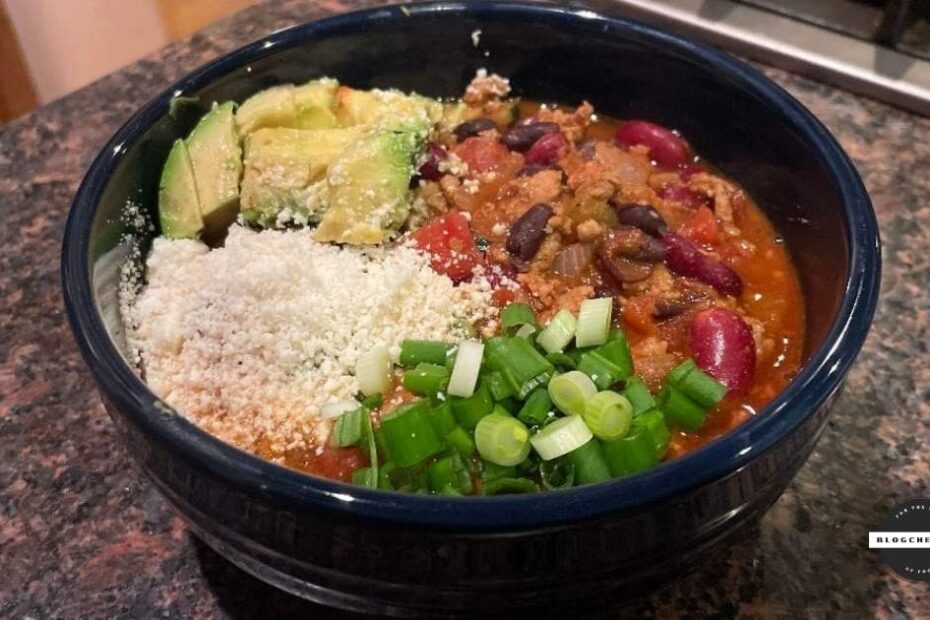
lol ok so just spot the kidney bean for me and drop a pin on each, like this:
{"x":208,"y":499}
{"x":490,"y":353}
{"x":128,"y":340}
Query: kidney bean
{"x":472,"y":128}
{"x":686,"y":171}
{"x":627,"y":271}
{"x":526,"y":120}
{"x":527,"y":233}
{"x":643,"y":217}
{"x":435,"y":154}
{"x":684,"y":258}
{"x":618,"y":255}
{"x":665,"y":147}
{"x":723,"y":347}
{"x":522,"y":137}
{"x":546,"y":151}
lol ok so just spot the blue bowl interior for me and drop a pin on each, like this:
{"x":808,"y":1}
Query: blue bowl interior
{"x":734,"y":117}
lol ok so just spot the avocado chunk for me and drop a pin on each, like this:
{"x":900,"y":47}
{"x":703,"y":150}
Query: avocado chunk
{"x":178,"y":207}
{"x":314,"y":102}
{"x":387,"y":109}
{"x":285,"y":169}
{"x":368,"y":188}
{"x":216,"y":158}
{"x":308,"y":106}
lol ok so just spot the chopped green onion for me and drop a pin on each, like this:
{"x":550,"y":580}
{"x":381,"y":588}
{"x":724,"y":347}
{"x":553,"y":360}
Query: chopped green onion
{"x":413,"y":352}
{"x":491,"y":471}
{"x":652,"y":423}
{"x":500,"y":387}
{"x":557,"y":474}
{"x":617,"y":351}
{"x":443,"y":419}
{"x":502,"y":439}
{"x":516,"y":315}
{"x":571,"y":391}
{"x":348,"y":428}
{"x":680,"y":410}
{"x":426,"y":379}
{"x":373,"y":371}
{"x":337,"y":408}
{"x":561,"y":360}
{"x":365,"y":477}
{"x":468,"y":411}
{"x":466,"y":368}
{"x":559,"y":332}
{"x":526,"y":331}
{"x":561,"y":437}
{"x":408,"y":434}
{"x":385,"y":473}
{"x":450,"y":471}
{"x":608,"y":415}
{"x":588,"y":463}
{"x":461,"y":441}
{"x":639,"y":395}
{"x":602,"y":371}
{"x":374,"y":401}
{"x":537,"y":408}
{"x":633,"y":453}
{"x":696,"y":384}
{"x":508,"y":486}
{"x":510,"y":404}
{"x":519,"y":364}
{"x":593,"y":322}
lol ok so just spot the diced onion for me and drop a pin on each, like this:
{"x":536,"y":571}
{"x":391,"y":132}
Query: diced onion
{"x":574,"y":258}
{"x":373,"y":371}
{"x":593,"y":322}
{"x":609,"y":415}
{"x":571,"y":391}
{"x":558,"y":332}
{"x":465,"y":371}
{"x":337,"y":408}
{"x":561,"y":437}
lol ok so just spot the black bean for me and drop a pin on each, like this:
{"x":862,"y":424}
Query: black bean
{"x":527,"y":233}
{"x":522,"y":137}
{"x":473,"y":128}
{"x":650,"y":251}
{"x":643,"y":217}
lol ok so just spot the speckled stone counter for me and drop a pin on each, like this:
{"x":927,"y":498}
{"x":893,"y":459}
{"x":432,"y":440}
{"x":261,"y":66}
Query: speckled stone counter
{"x":84,"y":535}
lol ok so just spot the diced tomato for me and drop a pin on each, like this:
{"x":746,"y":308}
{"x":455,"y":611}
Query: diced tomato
{"x":338,"y":463}
{"x":451,"y":246}
{"x":482,"y":154}
{"x":637,"y":313}
{"x":503,"y":296}
{"x":702,"y":227}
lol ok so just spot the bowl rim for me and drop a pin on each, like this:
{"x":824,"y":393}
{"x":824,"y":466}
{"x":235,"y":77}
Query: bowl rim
{"x":817,"y":380}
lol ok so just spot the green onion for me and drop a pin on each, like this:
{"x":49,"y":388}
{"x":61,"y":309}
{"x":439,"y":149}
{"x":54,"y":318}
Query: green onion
{"x":426,"y":379}
{"x":593,"y":322}
{"x":466,"y":368}
{"x":561,"y":437}
{"x":639,"y":395}
{"x":608,"y":415}
{"x":652,"y":424}
{"x":617,"y":351}
{"x":450,"y":471}
{"x":509,"y":486}
{"x":408,"y":434}
{"x":571,"y":391}
{"x":443,"y":419}
{"x":561,"y":360}
{"x":680,"y":410}
{"x":365,"y":477}
{"x":492,"y":471}
{"x":373,"y":371}
{"x":559,"y":332}
{"x":588,"y":463}
{"x":516,"y":315}
{"x":348,"y":428}
{"x":557,"y":474}
{"x":413,"y":352}
{"x":468,"y":411}
{"x":502,"y":439}
{"x":461,"y":441}
{"x":526,"y":331}
{"x":385,"y":474}
{"x":696,"y":384}
{"x":633,"y":453}
{"x":537,"y":408}
{"x":602,"y":371}
{"x":500,"y":387}
{"x":519,"y":363}
{"x":374,"y":401}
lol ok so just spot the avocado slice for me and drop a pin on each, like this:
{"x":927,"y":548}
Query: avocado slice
{"x":272,"y":107}
{"x":284,"y":173}
{"x":314,"y":102}
{"x":178,"y":206}
{"x":368,"y":188}
{"x":216,"y":158}
{"x":387,"y":109}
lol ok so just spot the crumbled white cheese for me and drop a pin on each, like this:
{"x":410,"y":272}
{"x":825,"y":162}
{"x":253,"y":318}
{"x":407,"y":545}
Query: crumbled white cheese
{"x":476,"y":37}
{"x":251,"y":339}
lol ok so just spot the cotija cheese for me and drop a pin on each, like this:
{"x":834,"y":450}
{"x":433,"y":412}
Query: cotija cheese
{"x":251,"y":339}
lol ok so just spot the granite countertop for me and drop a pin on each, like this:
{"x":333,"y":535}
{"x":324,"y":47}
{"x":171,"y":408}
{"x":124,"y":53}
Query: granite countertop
{"x":83,"y":534}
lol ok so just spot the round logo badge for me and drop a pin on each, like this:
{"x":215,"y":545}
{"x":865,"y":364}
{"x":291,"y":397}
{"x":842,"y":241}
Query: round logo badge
{"x":903,"y":539}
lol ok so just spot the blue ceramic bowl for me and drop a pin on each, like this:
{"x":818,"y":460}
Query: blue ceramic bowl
{"x":406,"y":554}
